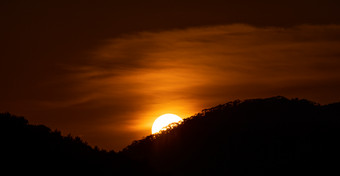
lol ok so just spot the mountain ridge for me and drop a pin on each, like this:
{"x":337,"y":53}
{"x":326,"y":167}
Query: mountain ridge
{"x":255,"y":136}
{"x":270,"y":136}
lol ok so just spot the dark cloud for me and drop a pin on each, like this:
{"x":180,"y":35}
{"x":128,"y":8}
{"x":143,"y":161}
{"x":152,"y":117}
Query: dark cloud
{"x":125,"y":83}
{"x":104,"y":70}
{"x":183,"y":71}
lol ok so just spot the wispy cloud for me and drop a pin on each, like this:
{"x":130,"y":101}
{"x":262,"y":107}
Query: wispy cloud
{"x":135,"y":78}
{"x":125,"y":83}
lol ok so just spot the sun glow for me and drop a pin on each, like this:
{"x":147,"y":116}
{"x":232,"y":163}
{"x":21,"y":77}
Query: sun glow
{"x":163,"y":121}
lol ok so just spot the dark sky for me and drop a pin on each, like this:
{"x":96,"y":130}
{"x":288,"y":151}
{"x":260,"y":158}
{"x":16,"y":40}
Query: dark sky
{"x":104,"y":70}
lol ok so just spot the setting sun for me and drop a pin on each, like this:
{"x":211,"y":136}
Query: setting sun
{"x":163,"y":121}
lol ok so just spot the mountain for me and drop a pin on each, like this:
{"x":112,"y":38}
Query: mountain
{"x":272,"y":136}
{"x":36,"y":150}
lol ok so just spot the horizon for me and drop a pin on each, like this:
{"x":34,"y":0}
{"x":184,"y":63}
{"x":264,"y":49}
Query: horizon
{"x":172,"y":126}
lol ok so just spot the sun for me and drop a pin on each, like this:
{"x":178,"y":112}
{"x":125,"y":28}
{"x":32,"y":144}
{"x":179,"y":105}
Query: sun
{"x":163,"y":121}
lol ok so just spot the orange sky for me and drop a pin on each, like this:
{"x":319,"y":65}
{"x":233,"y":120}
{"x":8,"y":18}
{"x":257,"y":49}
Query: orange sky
{"x":107,"y":82}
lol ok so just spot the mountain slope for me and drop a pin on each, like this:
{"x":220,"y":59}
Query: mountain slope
{"x":273,"y":136}
{"x":31,"y":149}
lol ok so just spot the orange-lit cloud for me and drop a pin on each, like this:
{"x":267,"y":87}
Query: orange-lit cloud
{"x":121,"y":86}
{"x":138,"y":77}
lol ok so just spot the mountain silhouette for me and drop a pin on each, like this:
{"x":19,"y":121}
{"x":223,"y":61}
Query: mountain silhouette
{"x":272,"y":136}
{"x":37,"y":150}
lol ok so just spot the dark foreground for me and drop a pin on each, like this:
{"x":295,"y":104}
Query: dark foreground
{"x":273,"y":136}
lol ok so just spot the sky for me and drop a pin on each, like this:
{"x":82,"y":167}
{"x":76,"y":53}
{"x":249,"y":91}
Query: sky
{"x":105,"y":70}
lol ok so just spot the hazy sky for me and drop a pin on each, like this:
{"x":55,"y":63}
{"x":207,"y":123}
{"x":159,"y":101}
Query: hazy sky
{"x":105,"y":70}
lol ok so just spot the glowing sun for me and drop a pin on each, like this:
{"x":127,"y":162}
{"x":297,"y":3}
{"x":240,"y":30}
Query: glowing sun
{"x":163,"y":121}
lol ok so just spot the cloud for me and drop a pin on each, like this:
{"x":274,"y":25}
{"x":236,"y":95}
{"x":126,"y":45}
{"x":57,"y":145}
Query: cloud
{"x":135,"y":78}
{"x":113,"y":95}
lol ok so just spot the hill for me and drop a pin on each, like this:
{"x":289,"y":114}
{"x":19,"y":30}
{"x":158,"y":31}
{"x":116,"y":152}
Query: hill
{"x":37,"y":150}
{"x":273,"y":136}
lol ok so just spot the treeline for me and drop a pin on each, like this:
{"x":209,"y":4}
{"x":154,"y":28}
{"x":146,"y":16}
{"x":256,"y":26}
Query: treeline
{"x":36,"y":149}
{"x":273,"y":136}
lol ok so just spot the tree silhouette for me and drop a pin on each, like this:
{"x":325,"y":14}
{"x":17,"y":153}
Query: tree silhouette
{"x":35,"y":149}
{"x":273,"y":136}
